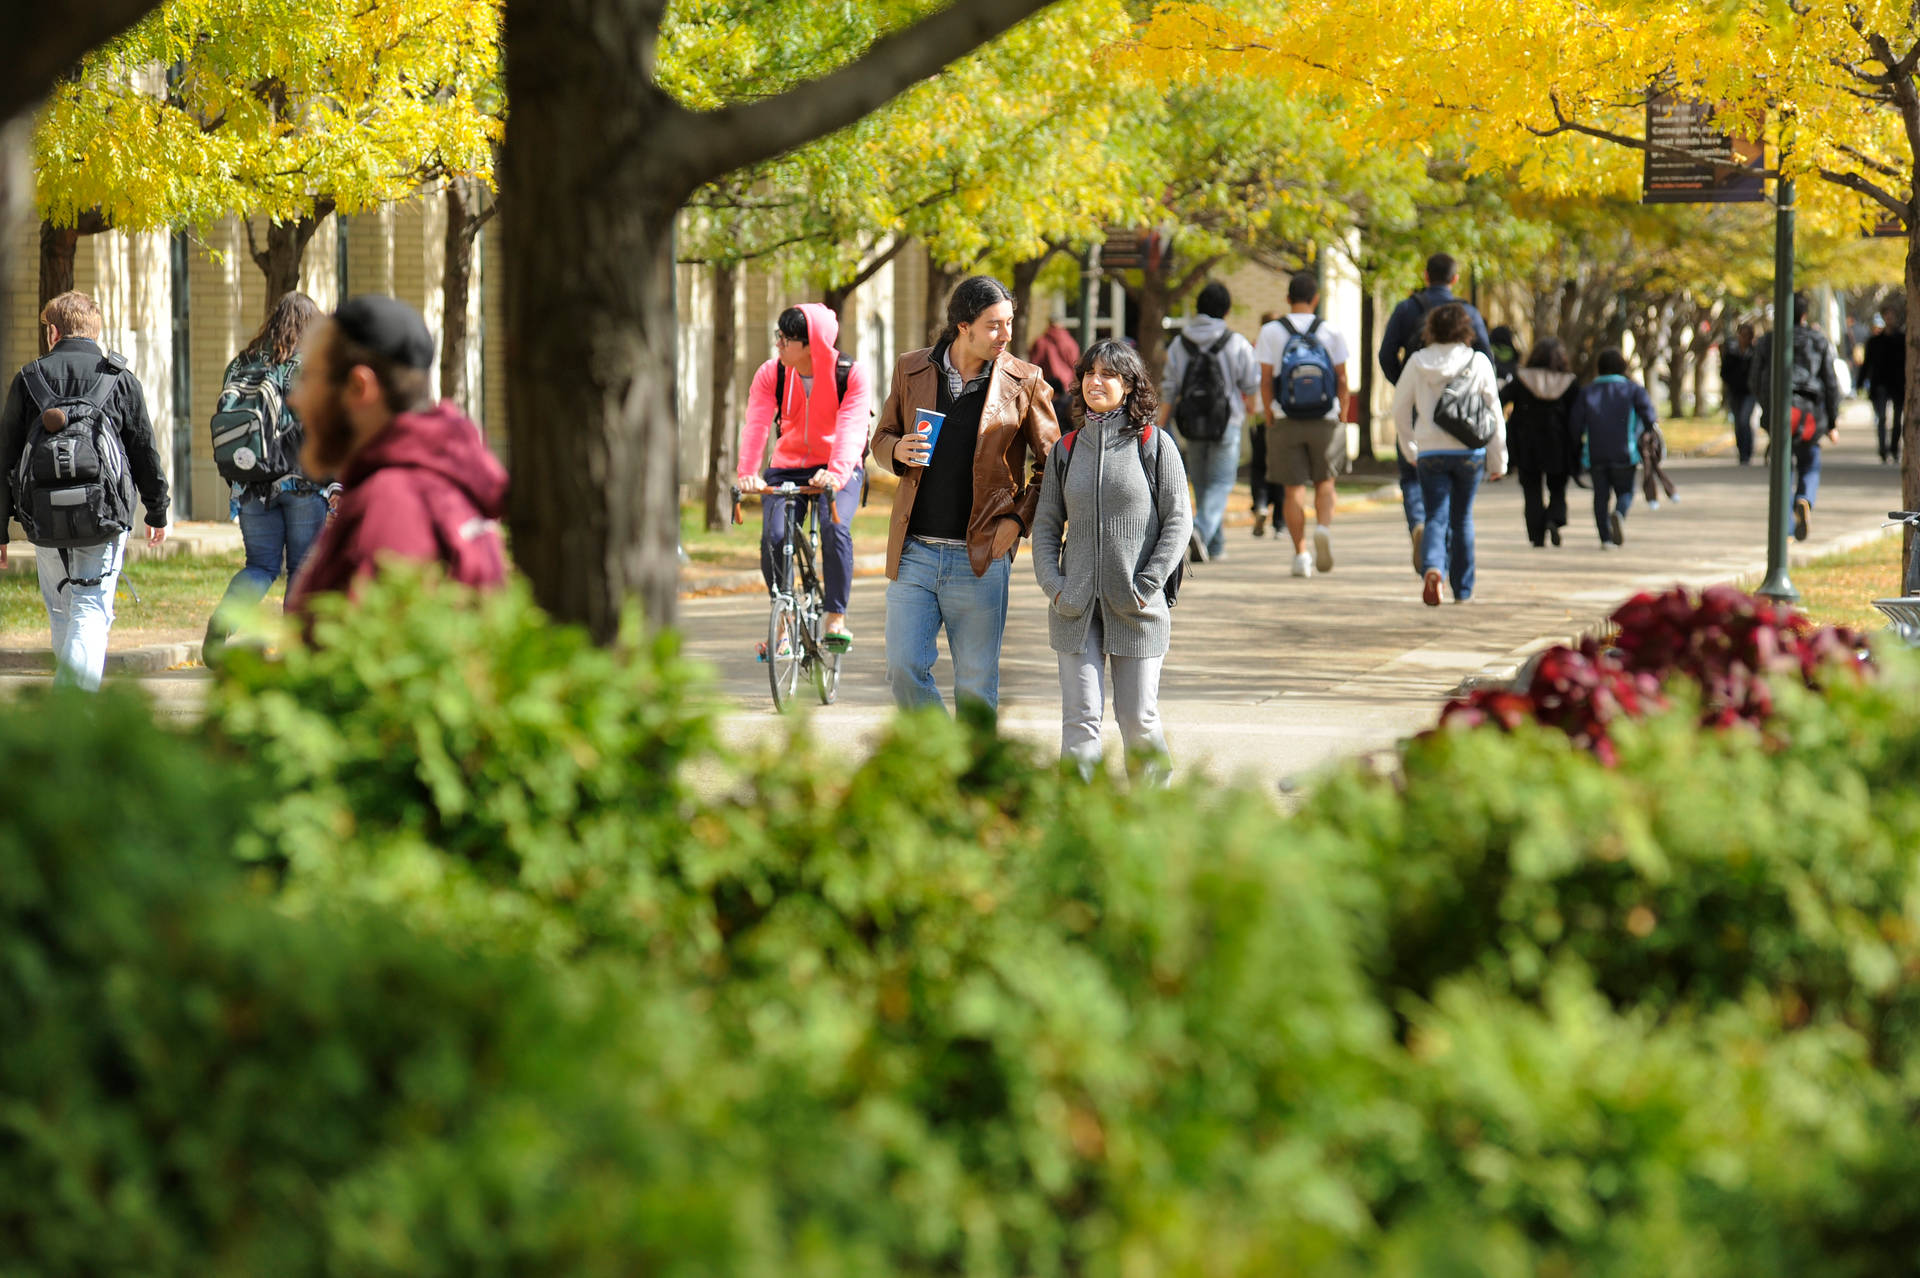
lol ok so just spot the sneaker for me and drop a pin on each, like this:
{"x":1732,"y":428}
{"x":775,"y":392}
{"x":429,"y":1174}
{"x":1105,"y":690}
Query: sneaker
{"x":1419,"y":531}
{"x":1322,"y":548}
{"x":1554,"y":533}
{"x":1654,"y":504}
{"x":1617,"y":527}
{"x":1196,"y":549}
{"x":1802,"y":516}
{"x":1303,"y":565}
{"x":1430,"y":588}
{"x":1259,"y":523}
{"x":1463,"y":599}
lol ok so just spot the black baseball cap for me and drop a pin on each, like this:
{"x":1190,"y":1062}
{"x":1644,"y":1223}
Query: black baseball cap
{"x":388,"y":327}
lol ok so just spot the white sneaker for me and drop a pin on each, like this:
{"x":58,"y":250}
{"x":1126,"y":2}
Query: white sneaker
{"x":1322,"y":548}
{"x":1303,"y":564}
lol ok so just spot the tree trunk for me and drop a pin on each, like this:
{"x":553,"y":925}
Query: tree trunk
{"x":1677,"y":363}
{"x":723,"y":428}
{"x":456,"y":285}
{"x":1910,"y":419}
{"x":1154,"y":300}
{"x":940,"y":282}
{"x":1364,"y":396}
{"x":287,"y":244}
{"x":1024,"y":274}
{"x":59,"y":246}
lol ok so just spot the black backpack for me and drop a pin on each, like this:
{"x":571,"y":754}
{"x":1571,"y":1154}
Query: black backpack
{"x":1203,"y":409}
{"x":842,"y":369}
{"x":73,"y":486}
{"x":1809,"y":387}
{"x":254,"y":439}
{"x":1464,"y":413}
{"x":1172,"y":589}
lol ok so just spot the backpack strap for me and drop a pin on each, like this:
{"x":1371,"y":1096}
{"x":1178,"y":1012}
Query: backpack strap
{"x":842,"y":369}
{"x":1220,"y":345}
{"x":41,"y":390}
{"x":45,"y":396}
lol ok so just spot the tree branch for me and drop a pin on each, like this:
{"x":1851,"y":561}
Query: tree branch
{"x":716,"y":142}
{"x":1872,"y":190}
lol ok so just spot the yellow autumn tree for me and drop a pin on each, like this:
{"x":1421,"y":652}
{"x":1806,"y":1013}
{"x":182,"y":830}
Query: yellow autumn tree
{"x":272,"y":109}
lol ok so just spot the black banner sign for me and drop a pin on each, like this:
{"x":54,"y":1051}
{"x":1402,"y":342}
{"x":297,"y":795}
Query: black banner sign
{"x":1690,"y":161}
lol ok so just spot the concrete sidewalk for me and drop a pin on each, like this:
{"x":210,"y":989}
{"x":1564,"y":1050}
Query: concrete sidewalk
{"x":1275,"y":676}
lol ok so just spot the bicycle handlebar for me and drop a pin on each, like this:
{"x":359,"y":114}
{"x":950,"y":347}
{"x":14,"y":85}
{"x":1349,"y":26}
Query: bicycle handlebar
{"x":791,"y":490}
{"x":1904,"y":516}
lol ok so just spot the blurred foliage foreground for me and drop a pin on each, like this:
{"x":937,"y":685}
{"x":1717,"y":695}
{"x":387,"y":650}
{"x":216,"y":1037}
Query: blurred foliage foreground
{"x":461,"y":947}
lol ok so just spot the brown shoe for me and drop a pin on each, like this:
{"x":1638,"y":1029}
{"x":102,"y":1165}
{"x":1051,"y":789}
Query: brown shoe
{"x":1430,"y":590}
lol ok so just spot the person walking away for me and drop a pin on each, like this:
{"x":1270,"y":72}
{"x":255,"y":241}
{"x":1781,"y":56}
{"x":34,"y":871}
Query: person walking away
{"x":1303,"y":386}
{"x":816,"y":404}
{"x":77,"y":445}
{"x":1446,"y":412}
{"x":1505,"y":354}
{"x":416,"y":480}
{"x":1609,"y":415}
{"x":1405,"y":334}
{"x":1885,"y":368}
{"x":1544,"y":453}
{"x":1736,"y":377}
{"x":1055,"y":352}
{"x":1108,"y":536}
{"x":1207,"y":391}
{"x":257,"y":440}
{"x":1266,"y":496}
{"x":1813,"y":411}
{"x":967,"y":495}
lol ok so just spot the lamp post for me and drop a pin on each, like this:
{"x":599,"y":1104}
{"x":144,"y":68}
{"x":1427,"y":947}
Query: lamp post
{"x":1778,"y":585}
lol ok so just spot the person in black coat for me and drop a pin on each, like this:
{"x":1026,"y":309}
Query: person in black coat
{"x":1886,"y":376}
{"x":1543,"y":450}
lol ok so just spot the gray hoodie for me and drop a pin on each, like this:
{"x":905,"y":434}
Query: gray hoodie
{"x":1422,"y":380}
{"x":1102,"y":540}
{"x":1237,"y":366}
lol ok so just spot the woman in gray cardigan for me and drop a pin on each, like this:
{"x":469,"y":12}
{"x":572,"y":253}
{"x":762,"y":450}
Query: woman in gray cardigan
{"x":1112,"y":526}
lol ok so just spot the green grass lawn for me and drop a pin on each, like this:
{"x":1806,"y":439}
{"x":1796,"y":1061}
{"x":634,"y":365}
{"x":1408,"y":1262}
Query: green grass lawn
{"x":177,"y":596}
{"x":1839,"y":589}
{"x":1698,"y":436}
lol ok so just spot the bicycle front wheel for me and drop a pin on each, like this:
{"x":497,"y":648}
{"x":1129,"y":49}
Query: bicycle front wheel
{"x":785,"y":652}
{"x":826,"y":674}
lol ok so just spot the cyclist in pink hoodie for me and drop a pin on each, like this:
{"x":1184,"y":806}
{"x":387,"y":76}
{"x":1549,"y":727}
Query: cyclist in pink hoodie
{"x":816,"y":403}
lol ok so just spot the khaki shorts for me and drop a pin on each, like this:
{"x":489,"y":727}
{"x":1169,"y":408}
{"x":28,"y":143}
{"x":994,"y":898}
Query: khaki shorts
{"x":1301,"y":453}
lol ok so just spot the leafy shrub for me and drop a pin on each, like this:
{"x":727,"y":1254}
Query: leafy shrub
{"x":1729,"y":646}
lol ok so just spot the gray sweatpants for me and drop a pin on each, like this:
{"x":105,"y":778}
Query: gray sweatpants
{"x":1136,"y":705}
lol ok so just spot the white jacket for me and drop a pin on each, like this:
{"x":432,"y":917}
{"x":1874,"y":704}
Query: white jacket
{"x":1425,"y":376}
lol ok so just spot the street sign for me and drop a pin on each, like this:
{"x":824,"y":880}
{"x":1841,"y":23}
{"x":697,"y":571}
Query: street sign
{"x":1124,"y":251}
{"x":1690,"y":161}
{"x":1888,"y":227}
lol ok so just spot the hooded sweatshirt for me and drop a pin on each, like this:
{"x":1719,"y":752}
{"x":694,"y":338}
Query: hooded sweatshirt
{"x":817,"y":429}
{"x":1609,"y":416}
{"x":1421,"y":383}
{"x":1537,"y":433}
{"x":424,"y":489}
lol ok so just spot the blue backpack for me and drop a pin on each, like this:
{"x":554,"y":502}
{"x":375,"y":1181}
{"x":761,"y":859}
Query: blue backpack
{"x":1307,"y":390}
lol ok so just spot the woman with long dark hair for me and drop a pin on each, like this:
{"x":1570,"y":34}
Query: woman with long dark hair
{"x":281,"y":511}
{"x":1545,"y":453}
{"x":966,"y":427}
{"x":1112,"y":524}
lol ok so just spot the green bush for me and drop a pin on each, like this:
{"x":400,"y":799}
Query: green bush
{"x":657,"y":1006}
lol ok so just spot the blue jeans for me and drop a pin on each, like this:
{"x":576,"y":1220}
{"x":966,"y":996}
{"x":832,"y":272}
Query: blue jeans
{"x":81,"y":615}
{"x":278,"y":531}
{"x":1212,"y":467}
{"x":1806,"y":470}
{"x":1412,"y":499}
{"x":1447,"y":484}
{"x":1742,"y":408}
{"x":1612,"y":491}
{"x":935,"y":588}
{"x":836,"y":540}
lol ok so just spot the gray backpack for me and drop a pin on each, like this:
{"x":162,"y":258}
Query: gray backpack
{"x":73,"y":486}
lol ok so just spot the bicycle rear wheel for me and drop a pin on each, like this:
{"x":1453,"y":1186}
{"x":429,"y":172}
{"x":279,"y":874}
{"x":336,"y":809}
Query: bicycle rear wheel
{"x":783,"y":666}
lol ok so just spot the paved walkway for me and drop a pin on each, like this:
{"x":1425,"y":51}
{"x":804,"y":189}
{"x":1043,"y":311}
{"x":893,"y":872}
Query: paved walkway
{"x":1276,"y":676}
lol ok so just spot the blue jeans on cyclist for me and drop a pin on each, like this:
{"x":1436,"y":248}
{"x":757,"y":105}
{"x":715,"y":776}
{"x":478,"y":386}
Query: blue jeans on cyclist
{"x":836,"y":540}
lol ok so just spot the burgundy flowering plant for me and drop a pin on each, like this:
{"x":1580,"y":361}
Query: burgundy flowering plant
{"x":1732,"y":646}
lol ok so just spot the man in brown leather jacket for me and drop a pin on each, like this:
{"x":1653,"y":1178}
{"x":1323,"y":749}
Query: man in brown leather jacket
{"x":966,"y":498}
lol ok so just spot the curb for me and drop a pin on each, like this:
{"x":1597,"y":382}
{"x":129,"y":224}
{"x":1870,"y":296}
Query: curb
{"x":152,"y":659}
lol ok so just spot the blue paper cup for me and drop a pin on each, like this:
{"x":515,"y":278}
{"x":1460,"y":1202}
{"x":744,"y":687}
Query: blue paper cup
{"x":927,"y":423}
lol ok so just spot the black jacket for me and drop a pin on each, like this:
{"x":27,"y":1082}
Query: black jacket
{"x":71,"y":367}
{"x":1539,"y":435}
{"x":1736,"y":369}
{"x":1886,"y":362}
{"x":1815,"y":384}
{"x":1402,"y":337}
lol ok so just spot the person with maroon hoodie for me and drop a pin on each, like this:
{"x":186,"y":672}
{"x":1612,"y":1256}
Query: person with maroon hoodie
{"x":417,"y":482}
{"x":816,"y":403}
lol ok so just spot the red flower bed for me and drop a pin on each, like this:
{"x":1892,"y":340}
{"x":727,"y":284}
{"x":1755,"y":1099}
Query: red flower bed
{"x":1729,"y":643}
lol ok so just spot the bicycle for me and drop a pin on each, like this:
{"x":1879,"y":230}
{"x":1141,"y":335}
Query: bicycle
{"x":796,"y":644}
{"x":1904,"y":612}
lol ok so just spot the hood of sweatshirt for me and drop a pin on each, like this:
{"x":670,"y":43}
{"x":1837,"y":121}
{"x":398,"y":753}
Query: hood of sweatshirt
{"x":823,"y":330}
{"x":1545,"y":383}
{"x":1432,"y":367}
{"x":442,"y":440}
{"x":1204,"y":330}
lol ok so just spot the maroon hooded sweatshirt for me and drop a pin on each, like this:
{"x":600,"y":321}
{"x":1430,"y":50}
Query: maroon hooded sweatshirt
{"x":425,"y":489}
